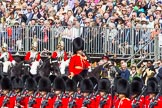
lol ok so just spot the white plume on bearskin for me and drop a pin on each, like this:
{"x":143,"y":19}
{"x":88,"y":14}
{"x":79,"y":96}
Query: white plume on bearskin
{"x":34,"y":66}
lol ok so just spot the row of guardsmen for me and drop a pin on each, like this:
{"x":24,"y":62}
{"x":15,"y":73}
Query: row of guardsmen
{"x":63,"y":92}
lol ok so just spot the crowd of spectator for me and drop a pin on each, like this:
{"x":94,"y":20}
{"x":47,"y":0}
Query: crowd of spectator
{"x":144,"y":70}
{"x":42,"y":15}
{"x":122,"y":13}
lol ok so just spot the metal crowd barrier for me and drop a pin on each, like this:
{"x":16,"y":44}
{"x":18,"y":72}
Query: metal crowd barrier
{"x":122,"y":42}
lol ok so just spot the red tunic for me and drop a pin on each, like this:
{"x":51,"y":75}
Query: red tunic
{"x":28,"y":54}
{"x":56,"y":55}
{"x":92,"y":103}
{"x":10,"y":57}
{"x":108,"y":103}
{"x":77,"y":64}
{"x":141,"y":102}
{"x":148,"y":101}
{"x":10,"y":104}
{"x":124,"y":103}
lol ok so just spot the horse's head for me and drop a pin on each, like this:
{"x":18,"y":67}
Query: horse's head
{"x":48,"y":67}
{"x":55,"y":68}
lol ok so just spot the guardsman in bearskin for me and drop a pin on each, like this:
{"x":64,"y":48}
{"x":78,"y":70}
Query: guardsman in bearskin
{"x":17,"y":85}
{"x":79,"y":98}
{"x":104,"y":99}
{"x":153,"y":98}
{"x":70,"y":94}
{"x":59,"y":90}
{"x":115,"y":97}
{"x":62,"y":57}
{"x":123,"y":89}
{"x":137,"y":93}
{"x":44,"y":87}
{"x":33,"y":57}
{"x":6,"y":99}
{"x":78,"y":62}
{"x":6,"y":58}
{"x":87,"y":92}
{"x":31,"y":88}
{"x":95,"y":86}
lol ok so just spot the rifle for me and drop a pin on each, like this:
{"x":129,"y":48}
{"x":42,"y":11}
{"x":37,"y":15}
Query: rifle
{"x":72,"y":103}
{"x":59,"y":101}
{"x":103,"y":102}
{"x":135,"y":105}
{"x":87,"y":100}
{"x":155,"y":100}
{"x":95,"y":94}
{"x":19,"y":98}
{"x":5,"y":101}
{"x":45,"y":101}
{"x":32,"y":101}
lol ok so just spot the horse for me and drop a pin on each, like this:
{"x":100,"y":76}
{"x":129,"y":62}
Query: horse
{"x":20,"y":69}
{"x":48,"y":67}
{"x":106,"y":70}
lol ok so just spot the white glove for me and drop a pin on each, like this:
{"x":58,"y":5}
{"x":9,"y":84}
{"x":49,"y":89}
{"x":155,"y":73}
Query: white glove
{"x":13,"y":62}
{"x":89,"y":70}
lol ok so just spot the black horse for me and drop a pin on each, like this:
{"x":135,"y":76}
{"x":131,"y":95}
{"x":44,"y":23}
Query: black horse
{"x":48,"y":67}
{"x":20,"y":69}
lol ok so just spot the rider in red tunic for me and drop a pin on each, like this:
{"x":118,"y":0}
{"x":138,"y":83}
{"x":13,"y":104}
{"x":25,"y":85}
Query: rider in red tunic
{"x":78,"y":62}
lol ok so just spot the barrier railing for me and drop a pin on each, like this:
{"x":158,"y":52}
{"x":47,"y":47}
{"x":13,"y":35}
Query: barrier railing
{"x":122,"y":42}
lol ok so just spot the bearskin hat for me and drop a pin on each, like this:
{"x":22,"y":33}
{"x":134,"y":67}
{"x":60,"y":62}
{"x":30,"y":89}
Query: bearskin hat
{"x":78,"y":44}
{"x":52,"y":77}
{"x":136,"y":86}
{"x":104,"y":85}
{"x":59,"y":84}
{"x":30,"y":84}
{"x":152,"y":85}
{"x":123,"y":87}
{"x":77,"y":79}
{"x":95,"y":83}
{"x":17,"y":83}
{"x":86,"y":85}
{"x":71,"y":85}
{"x":115,"y":82}
{"x":6,"y":84}
{"x":44,"y":84}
